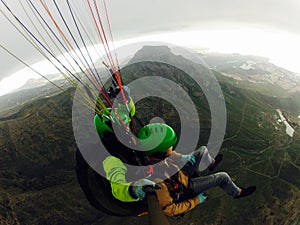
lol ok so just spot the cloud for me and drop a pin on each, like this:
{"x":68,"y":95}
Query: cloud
{"x":140,"y":17}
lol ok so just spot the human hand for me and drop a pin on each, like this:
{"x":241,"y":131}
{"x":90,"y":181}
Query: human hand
{"x":188,"y":158}
{"x":202,"y":196}
{"x":138,"y":187}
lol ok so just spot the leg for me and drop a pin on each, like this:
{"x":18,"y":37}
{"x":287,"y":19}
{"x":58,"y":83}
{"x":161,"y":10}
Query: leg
{"x":222,"y":179}
{"x":203,"y":159}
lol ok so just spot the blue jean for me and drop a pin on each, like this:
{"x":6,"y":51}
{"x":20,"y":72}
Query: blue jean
{"x":201,"y":184}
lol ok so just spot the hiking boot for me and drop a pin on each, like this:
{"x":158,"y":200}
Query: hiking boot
{"x":218,"y":159}
{"x":246,"y":191}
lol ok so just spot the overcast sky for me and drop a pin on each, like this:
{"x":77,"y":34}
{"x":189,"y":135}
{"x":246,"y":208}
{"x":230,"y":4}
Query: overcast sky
{"x":270,"y":24}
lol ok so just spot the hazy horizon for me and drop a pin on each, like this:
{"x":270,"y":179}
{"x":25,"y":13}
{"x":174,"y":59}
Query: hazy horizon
{"x":227,"y":27}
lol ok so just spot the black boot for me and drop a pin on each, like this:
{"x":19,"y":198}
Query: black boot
{"x":246,"y":191}
{"x":218,"y":159}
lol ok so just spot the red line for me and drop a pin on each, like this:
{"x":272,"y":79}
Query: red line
{"x":70,"y":46}
{"x":106,"y":45}
{"x":106,"y":48}
{"x":55,"y":23}
{"x":115,"y":72}
{"x":110,"y":31}
{"x":99,"y":32}
{"x":89,"y":72}
{"x":104,"y":35}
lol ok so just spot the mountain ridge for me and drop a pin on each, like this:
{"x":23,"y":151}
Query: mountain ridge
{"x":37,"y":168}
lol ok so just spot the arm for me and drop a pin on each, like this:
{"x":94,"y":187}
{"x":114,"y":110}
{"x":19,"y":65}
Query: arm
{"x":115,"y":172}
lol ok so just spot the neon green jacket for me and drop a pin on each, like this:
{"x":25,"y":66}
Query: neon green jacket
{"x":115,"y":172}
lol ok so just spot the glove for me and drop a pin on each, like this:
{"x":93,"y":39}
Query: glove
{"x":202,"y":196}
{"x":188,"y":158}
{"x":138,"y":187}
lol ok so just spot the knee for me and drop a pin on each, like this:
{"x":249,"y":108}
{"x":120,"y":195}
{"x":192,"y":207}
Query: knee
{"x":222,"y":178}
{"x":201,"y":151}
{"x":223,"y":175}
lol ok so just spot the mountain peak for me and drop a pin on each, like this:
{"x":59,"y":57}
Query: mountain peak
{"x":155,"y":52}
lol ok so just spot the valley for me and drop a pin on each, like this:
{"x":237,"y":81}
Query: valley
{"x":38,"y":183}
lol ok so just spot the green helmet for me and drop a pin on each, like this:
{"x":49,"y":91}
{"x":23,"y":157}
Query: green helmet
{"x":121,"y":114}
{"x":102,"y":123}
{"x":157,"y":137}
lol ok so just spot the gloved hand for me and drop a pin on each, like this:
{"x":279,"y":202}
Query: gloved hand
{"x":188,"y":158}
{"x":202,"y":196}
{"x":138,"y":187}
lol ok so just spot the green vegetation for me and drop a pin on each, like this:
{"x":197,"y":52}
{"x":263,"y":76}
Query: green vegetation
{"x":38,"y":182}
{"x":37,"y":178}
